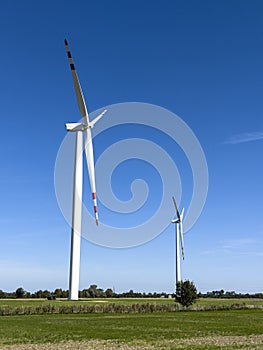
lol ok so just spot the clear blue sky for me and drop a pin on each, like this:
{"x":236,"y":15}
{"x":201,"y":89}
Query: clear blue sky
{"x":200,"y":59}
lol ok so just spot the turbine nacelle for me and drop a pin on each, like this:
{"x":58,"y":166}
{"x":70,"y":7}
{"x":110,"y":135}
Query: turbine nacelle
{"x":73,"y":127}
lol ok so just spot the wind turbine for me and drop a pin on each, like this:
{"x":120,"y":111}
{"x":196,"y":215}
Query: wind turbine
{"x":178,"y":237}
{"x":80,"y":129}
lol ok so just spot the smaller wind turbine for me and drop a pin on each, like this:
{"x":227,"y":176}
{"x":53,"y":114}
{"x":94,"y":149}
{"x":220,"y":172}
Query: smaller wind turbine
{"x":178,"y":237}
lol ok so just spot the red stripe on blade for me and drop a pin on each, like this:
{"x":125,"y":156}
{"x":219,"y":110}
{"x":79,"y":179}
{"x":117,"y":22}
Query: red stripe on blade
{"x":95,"y":209}
{"x":93,"y":195}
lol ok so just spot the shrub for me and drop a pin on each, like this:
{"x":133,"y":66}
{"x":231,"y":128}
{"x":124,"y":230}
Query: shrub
{"x":186,"y":293}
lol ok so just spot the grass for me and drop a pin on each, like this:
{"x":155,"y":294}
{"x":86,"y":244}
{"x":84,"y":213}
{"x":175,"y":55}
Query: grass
{"x":90,"y":301}
{"x":39,"y":307}
{"x":125,"y":301}
{"x":215,"y":301}
{"x":192,"y":330}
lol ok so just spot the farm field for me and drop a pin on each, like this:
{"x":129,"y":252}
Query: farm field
{"x":197,"y":330}
{"x":92,"y":301}
{"x":235,"y":329}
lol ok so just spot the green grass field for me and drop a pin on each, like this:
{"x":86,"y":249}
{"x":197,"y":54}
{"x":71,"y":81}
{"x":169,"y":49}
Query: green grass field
{"x":197,"y":330}
{"x":203,"y":301}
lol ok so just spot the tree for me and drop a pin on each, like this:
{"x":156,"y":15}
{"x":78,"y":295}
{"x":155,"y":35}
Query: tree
{"x":109,"y":293}
{"x":2,"y":294}
{"x":186,"y":293}
{"x":58,"y":292}
{"x":39,"y":294}
{"x":46,"y":293}
{"x":20,"y":292}
{"x":222,"y":292}
{"x":92,"y":290}
{"x":27,"y":295}
{"x":84,"y":293}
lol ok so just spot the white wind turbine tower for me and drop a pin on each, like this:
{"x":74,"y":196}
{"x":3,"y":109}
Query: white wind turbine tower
{"x":178,"y":237}
{"x":80,"y":128}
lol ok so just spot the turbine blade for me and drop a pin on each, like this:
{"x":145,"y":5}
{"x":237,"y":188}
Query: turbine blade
{"x":95,"y":120}
{"x":182,"y":214}
{"x":79,"y":94}
{"x":91,"y":170}
{"x":176,"y":209}
{"x":181,"y":238}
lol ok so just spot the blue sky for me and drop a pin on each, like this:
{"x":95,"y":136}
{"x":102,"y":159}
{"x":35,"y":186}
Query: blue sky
{"x":202,"y":61}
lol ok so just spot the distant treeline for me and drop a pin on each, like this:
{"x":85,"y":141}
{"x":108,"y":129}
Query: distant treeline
{"x":229,"y":295}
{"x":94,"y":292}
